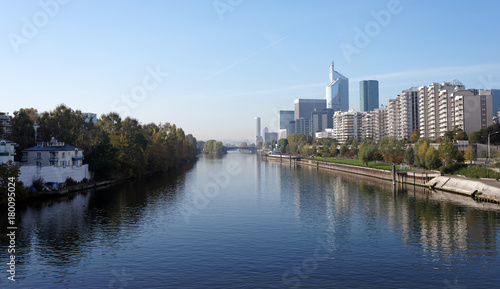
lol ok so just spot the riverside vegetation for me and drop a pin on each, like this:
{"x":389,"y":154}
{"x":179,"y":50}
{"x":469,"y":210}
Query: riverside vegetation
{"x":416,"y":151}
{"x":114,"y":148}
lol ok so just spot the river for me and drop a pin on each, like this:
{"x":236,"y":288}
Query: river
{"x":238,"y":222}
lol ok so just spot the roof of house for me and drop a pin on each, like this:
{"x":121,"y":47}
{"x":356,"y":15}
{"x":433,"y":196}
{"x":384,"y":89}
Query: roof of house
{"x":65,"y":147}
{"x":6,"y":140}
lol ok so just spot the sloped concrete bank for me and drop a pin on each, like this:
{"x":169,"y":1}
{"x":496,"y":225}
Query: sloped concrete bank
{"x":481,"y":190}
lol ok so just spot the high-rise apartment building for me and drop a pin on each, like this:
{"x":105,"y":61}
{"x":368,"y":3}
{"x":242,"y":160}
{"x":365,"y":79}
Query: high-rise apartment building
{"x":337,"y":91}
{"x":368,"y":95}
{"x":347,"y":125}
{"x":379,"y":122}
{"x":408,"y":111}
{"x":468,"y":110}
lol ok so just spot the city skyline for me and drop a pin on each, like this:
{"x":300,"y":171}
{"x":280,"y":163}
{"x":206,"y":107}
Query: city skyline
{"x":206,"y":69}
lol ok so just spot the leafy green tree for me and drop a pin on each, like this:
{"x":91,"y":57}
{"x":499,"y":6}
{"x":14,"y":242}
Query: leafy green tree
{"x":243,"y":144}
{"x":461,"y":135}
{"x":354,"y":147}
{"x":343,"y":149}
{"x":447,"y":151}
{"x":415,"y":135}
{"x":9,"y":173}
{"x":419,"y":151}
{"x":23,"y":132}
{"x":297,"y":138}
{"x":62,"y":123}
{"x":409,"y":155}
{"x":432,"y":159}
{"x":367,"y":152}
{"x":283,"y":144}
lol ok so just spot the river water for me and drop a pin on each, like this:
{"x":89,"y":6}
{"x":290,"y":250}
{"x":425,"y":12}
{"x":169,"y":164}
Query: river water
{"x":238,"y":222}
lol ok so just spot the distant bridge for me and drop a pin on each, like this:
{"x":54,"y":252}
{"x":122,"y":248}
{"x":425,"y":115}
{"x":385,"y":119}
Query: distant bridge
{"x":253,"y":149}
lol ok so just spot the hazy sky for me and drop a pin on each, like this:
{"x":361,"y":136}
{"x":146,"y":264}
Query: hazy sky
{"x":212,"y":66}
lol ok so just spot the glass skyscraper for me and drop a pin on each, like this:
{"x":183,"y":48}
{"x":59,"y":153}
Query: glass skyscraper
{"x":337,"y":91}
{"x":368,"y":95}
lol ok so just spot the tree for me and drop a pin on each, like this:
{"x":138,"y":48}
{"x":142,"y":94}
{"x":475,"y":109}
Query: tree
{"x":415,"y":135}
{"x":243,"y":144}
{"x":62,"y":123}
{"x":447,"y":151}
{"x":366,"y":152}
{"x":297,"y":138}
{"x":419,"y":151}
{"x":343,"y":149}
{"x":23,"y":132}
{"x":461,"y":135}
{"x":432,"y":159}
{"x":354,"y":147}
{"x":9,"y":173}
{"x":283,"y":144}
{"x":409,"y":155}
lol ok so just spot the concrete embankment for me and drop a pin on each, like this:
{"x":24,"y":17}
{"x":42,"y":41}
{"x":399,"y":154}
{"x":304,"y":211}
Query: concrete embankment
{"x":482,"y":190}
{"x":75,"y":188}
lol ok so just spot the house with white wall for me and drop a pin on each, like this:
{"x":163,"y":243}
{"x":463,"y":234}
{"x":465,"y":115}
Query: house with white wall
{"x":54,"y":162}
{"x":7,"y":150}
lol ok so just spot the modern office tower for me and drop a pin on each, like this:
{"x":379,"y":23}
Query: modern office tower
{"x":269,"y":137}
{"x":347,"y":125}
{"x":408,"y":111}
{"x":305,"y":107}
{"x":337,"y":91}
{"x":303,"y":126}
{"x":469,"y":110}
{"x":368,"y":95}
{"x":495,"y":94}
{"x":321,"y":119}
{"x":258,"y":136}
{"x":291,"y":127}
{"x":433,"y":102}
{"x":264,"y":131}
{"x":285,"y":117}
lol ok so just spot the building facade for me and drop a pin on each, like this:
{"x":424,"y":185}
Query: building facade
{"x":258,"y":136}
{"x":368,"y":95}
{"x":7,"y":150}
{"x":337,"y":91}
{"x":347,"y":125}
{"x":54,"y":154}
{"x":305,"y":107}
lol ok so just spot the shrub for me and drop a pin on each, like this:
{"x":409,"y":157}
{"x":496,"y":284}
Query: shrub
{"x":70,"y":182}
{"x":38,"y":183}
{"x":85,"y":180}
{"x":452,"y":168}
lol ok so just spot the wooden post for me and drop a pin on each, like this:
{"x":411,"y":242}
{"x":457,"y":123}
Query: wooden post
{"x":393,"y":174}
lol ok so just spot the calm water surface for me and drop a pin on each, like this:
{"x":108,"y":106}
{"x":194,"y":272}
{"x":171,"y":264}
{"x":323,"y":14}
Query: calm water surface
{"x":237,"y":222}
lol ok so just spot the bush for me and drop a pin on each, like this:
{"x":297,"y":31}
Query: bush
{"x":452,"y":168}
{"x":70,"y":182}
{"x":38,"y":183}
{"x":477,"y":172}
{"x":85,"y":180}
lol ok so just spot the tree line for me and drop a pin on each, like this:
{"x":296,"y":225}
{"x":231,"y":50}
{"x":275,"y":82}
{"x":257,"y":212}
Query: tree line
{"x":113,"y":147}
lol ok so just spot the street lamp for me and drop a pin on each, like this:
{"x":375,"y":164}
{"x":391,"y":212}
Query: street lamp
{"x":489,"y":153}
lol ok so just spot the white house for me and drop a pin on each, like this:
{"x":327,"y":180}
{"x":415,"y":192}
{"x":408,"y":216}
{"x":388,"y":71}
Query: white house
{"x":7,"y":150}
{"x":53,"y":161}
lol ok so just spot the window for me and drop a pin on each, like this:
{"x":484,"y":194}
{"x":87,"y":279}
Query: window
{"x":38,"y":156}
{"x":63,"y":155}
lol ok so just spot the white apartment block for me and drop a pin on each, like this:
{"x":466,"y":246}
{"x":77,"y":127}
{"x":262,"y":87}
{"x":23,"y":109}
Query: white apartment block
{"x":379,"y":122}
{"x":347,"y":125}
{"x":408,"y":112}
{"x":448,"y":105}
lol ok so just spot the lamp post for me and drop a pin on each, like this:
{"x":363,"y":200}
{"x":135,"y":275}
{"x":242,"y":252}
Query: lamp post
{"x":489,"y":154}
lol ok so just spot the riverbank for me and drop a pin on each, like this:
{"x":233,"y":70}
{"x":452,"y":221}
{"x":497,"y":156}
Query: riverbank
{"x":481,"y":190}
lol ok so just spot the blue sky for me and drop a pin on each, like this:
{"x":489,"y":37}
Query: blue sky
{"x":212,"y":66}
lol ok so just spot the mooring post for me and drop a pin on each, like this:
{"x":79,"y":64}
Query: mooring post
{"x":393,"y":174}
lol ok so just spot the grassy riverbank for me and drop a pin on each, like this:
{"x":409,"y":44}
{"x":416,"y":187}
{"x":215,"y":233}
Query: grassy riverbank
{"x":354,"y":162}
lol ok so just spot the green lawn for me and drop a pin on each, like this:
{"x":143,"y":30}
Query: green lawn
{"x":382,"y":166}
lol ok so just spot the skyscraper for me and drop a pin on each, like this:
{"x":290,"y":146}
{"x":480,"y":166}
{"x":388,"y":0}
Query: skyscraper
{"x":258,"y":136}
{"x":305,"y":107}
{"x":337,"y":91}
{"x":368,"y":95}
{"x":285,"y":117}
